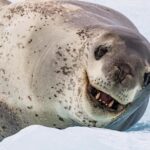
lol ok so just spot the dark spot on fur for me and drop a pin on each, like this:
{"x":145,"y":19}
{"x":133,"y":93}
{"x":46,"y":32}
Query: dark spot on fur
{"x":56,"y":63}
{"x":20,"y":110}
{"x":60,"y":118}
{"x":36,"y":115}
{"x":65,"y":107}
{"x":65,"y":70}
{"x":80,"y":112}
{"x":30,"y":41}
{"x":80,"y":33}
{"x":3,"y":127}
{"x":74,"y":65}
{"x":29,"y":97}
{"x":107,"y":9}
{"x":31,"y":26}
{"x":67,"y":49}
{"x":58,"y":53}
{"x":65,"y":59}
{"x":29,"y":107}
{"x":79,"y":91}
{"x":57,"y":71}
{"x":69,"y":108}
{"x":59,"y":91}
{"x":8,"y":16}
{"x":3,"y":71}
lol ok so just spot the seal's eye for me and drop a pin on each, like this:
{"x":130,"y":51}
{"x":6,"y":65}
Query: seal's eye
{"x":100,"y":51}
{"x":146,"y":79}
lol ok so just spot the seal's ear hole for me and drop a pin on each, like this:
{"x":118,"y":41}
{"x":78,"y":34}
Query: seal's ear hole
{"x":100,"y":51}
{"x":146,"y":79}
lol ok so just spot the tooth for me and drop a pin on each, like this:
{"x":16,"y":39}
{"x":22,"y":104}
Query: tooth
{"x":100,"y":100}
{"x":97,"y":96}
{"x":120,"y":107}
{"x":103,"y":102}
{"x":111,"y":103}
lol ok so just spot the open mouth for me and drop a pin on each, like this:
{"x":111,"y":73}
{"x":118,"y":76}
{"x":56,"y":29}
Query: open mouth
{"x":104,"y":101}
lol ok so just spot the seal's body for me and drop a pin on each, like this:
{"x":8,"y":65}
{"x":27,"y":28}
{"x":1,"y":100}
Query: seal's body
{"x":69,"y":63}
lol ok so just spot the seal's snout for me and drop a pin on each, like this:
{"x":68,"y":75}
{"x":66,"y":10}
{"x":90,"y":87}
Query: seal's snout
{"x":122,"y":72}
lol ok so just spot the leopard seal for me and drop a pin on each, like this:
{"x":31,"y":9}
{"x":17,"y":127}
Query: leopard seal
{"x":67,"y":63}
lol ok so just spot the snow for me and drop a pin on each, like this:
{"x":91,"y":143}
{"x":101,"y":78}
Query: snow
{"x":83,"y":138}
{"x":75,"y":138}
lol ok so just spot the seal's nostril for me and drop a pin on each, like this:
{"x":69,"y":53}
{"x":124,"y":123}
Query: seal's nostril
{"x":122,"y":72}
{"x":146,"y":79}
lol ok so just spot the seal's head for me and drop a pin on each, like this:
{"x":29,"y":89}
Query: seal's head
{"x":116,"y":70}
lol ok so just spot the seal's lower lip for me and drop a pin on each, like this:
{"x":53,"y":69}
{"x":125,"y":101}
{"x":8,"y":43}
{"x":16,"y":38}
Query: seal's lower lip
{"x":103,"y":100}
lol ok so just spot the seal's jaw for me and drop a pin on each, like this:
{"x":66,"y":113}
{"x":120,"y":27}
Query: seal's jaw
{"x":104,"y":101}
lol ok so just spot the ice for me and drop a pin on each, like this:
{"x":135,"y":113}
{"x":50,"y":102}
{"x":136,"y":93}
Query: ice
{"x":83,"y":138}
{"x":75,"y":138}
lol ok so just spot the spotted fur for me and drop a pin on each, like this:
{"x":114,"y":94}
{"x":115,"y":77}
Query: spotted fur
{"x":47,"y":59}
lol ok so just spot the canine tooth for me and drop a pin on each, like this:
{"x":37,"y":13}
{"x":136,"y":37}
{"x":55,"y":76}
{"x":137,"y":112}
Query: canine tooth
{"x":97,"y":95}
{"x":100,"y":100}
{"x":111,"y":103}
{"x":120,"y":107}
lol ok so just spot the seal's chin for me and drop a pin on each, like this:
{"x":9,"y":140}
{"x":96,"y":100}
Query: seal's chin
{"x":104,"y":101}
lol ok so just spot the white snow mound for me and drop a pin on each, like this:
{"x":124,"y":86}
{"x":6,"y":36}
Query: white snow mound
{"x":75,"y":138}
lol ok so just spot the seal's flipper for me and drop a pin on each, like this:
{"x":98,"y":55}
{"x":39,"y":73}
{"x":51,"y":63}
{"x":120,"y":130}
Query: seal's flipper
{"x":4,"y":2}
